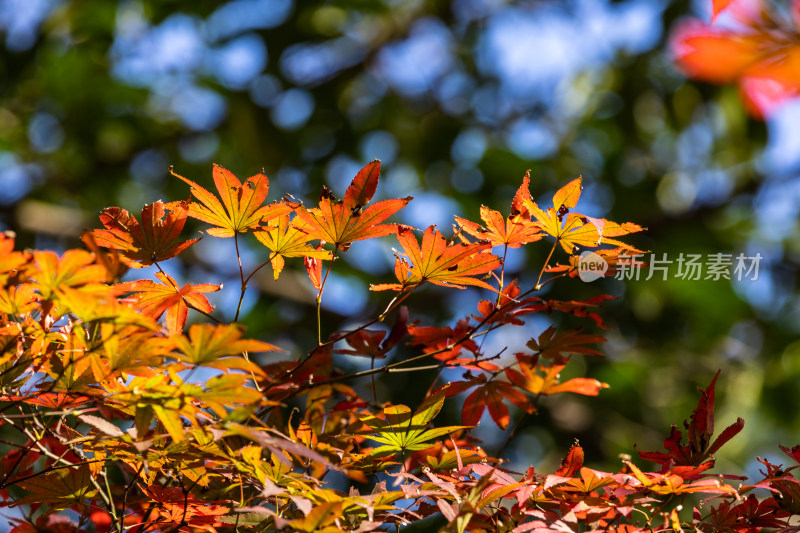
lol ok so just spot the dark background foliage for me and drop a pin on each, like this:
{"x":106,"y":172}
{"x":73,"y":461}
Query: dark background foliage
{"x":458,"y":99}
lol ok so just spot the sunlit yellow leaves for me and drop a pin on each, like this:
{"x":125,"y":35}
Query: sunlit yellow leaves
{"x":219,"y":346}
{"x":73,"y":269}
{"x":18,"y":300}
{"x":573,"y":229}
{"x":284,"y":239}
{"x":400,"y":431}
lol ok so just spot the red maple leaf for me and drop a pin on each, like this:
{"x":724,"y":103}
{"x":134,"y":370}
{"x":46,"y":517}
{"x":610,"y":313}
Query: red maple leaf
{"x":149,"y":242}
{"x":758,"y":49}
{"x":488,"y":394}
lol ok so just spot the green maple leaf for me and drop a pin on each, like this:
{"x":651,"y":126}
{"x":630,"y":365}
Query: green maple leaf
{"x":403,"y":431}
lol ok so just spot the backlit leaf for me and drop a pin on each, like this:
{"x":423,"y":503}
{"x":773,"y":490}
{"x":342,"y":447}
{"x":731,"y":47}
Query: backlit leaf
{"x":438,"y":261}
{"x":149,"y":242}
{"x":343,"y":222}
{"x":155,"y":299}
{"x":241,"y":208}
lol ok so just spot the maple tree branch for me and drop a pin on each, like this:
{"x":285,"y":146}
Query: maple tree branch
{"x":128,"y":487}
{"x":393,"y":304}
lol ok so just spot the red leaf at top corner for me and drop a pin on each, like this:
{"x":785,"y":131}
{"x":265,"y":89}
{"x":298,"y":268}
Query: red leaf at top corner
{"x":149,"y":242}
{"x":717,"y":6}
{"x":759,"y":51}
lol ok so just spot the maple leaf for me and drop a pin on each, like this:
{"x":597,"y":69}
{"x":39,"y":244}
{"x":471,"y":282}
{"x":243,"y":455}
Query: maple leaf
{"x":512,"y":231}
{"x":403,"y":431}
{"x":449,"y":264}
{"x":528,"y":378}
{"x":444,"y":342}
{"x":552,"y":343}
{"x":219,"y":346}
{"x":18,"y":300}
{"x":572,"y":463}
{"x":155,"y":299}
{"x":675,"y":484}
{"x":579,"y":308}
{"x":74,"y":269}
{"x":365,"y":342}
{"x":573,"y":229}
{"x":700,"y":430}
{"x":10,"y":260}
{"x":115,"y":266}
{"x":241,"y":209}
{"x":286,"y":240}
{"x":60,"y":488}
{"x":179,"y":508}
{"x":489,"y":394}
{"x":757,"y":49}
{"x":749,"y":515}
{"x":343,"y":222}
{"x":313,"y":267}
{"x":127,"y":349}
{"x":151,"y":241}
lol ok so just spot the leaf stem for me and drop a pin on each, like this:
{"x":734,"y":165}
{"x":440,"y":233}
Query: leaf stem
{"x":319,"y":294}
{"x":544,"y":266}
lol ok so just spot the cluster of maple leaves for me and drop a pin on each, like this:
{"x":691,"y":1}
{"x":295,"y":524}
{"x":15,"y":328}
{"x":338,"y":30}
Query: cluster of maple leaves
{"x":104,"y":429}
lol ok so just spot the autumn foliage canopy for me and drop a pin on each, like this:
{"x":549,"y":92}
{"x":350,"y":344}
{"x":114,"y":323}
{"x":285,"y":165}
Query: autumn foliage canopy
{"x":111,"y":433}
{"x":108,"y":428}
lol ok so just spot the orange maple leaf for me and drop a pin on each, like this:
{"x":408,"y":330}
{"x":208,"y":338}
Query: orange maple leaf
{"x":513,"y":231}
{"x":155,"y":299}
{"x":111,"y":260}
{"x":149,"y":242}
{"x":54,"y":275}
{"x":438,"y":261}
{"x":10,"y":260}
{"x":240,"y":210}
{"x":343,"y":222}
{"x":529,"y":379}
{"x":758,"y":49}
